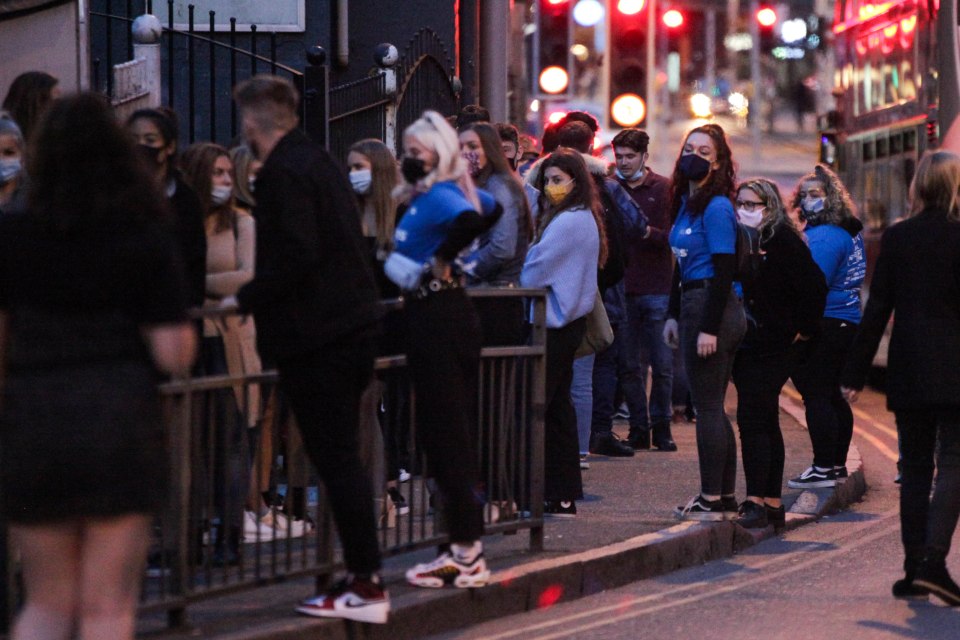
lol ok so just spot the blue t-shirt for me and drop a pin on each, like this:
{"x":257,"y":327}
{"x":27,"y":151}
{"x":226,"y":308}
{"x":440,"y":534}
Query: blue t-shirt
{"x":424,"y":226}
{"x":844,"y":264}
{"x":694,"y":239}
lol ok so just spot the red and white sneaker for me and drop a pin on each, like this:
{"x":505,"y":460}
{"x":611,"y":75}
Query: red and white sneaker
{"x":351,"y":599}
{"x":446,"y":569}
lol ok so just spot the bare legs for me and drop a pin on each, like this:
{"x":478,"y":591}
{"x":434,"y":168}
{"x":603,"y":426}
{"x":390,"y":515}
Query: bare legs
{"x":82,"y":575}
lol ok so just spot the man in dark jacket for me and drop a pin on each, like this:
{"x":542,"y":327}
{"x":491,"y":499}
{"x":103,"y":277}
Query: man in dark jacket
{"x":315,"y":303}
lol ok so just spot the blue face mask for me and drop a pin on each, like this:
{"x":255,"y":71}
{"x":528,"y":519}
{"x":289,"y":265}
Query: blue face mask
{"x":9,"y":169}
{"x":811,"y":210}
{"x":635,"y":176}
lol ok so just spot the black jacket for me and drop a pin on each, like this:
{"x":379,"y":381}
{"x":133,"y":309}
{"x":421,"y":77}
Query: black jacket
{"x":313,"y":284}
{"x":191,"y":239}
{"x":788,"y":295}
{"x":917,"y":277}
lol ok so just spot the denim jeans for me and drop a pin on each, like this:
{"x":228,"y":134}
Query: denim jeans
{"x":611,"y":366}
{"x":716,"y":444}
{"x":927,"y":524}
{"x":645,"y":349}
{"x":581,"y":394}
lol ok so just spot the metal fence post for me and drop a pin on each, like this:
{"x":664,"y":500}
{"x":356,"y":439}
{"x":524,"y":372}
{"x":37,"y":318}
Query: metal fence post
{"x":538,"y":406}
{"x":387,"y":57}
{"x":316,"y":96}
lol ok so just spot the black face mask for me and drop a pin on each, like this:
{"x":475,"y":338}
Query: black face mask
{"x":694,"y":167}
{"x":150,"y":154}
{"x":413,"y":169}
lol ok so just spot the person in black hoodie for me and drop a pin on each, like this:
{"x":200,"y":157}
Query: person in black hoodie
{"x":918,"y":276}
{"x":315,"y":303}
{"x":784,"y":302}
{"x":156,"y":132}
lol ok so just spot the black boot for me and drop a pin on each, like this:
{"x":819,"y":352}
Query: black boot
{"x":934,"y":577}
{"x":608,"y":444}
{"x":639,"y":439}
{"x":904,"y":588}
{"x":662,"y":438}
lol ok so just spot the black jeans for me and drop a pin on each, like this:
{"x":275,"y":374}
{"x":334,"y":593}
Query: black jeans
{"x":759,"y":377}
{"x":617,"y":364}
{"x":829,"y":417}
{"x":561,"y":445}
{"x":443,"y":356}
{"x":716,"y":444}
{"x":324,"y":389}
{"x":927,"y":525}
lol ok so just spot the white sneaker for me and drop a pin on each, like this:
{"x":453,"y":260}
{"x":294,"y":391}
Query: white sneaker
{"x":404,"y":475}
{"x":447,"y":570}
{"x":272,"y":524}
{"x":352,"y":600}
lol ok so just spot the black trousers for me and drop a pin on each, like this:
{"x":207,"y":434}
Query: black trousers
{"x":561,"y":444}
{"x":829,"y":417}
{"x":443,"y":355}
{"x":324,"y":388}
{"x":759,"y":377}
{"x":927,"y":524}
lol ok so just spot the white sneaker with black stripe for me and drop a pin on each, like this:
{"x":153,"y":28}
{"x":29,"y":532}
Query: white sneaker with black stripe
{"x":814,"y":478}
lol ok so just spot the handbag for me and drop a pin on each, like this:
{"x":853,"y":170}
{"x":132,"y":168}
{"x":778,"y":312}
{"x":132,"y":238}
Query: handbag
{"x":599,"y":334}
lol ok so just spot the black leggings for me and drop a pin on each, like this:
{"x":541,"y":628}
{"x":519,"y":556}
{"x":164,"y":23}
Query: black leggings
{"x":829,"y":417}
{"x":443,"y":356}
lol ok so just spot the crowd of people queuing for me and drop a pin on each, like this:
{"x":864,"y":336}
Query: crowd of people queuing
{"x":108,"y":235}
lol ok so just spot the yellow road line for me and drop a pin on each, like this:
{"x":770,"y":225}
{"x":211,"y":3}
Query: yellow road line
{"x":863,"y":415}
{"x":875,"y":441}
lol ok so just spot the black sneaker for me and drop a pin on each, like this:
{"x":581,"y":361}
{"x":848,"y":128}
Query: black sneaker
{"x":639,"y":439}
{"x":398,"y":501}
{"x":699,"y":508}
{"x":841,"y":474}
{"x":777,"y":516}
{"x":907,"y":589}
{"x":814,"y":478}
{"x":608,"y":444}
{"x":936,"y":579}
{"x":730,"y":507}
{"x":752,"y":515}
{"x":560,"y":509}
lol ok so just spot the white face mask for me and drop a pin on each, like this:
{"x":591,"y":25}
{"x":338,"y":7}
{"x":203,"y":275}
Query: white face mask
{"x":251,"y":181}
{"x":10,"y":169}
{"x":751,"y":218}
{"x":360,"y":180}
{"x":220,"y":194}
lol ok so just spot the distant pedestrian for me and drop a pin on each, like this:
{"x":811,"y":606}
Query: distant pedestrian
{"x":13,"y":175}
{"x":156,"y":132}
{"x":648,"y":276}
{"x":710,"y":314}
{"x":569,"y":245}
{"x":28,"y":97}
{"x":784,"y":302}
{"x":245,"y":168}
{"x":470,"y":114}
{"x":315,"y":303}
{"x":93,"y":307}
{"x":836,"y":243}
{"x":444,"y":215}
{"x":917,"y":277}
{"x":509,"y":143}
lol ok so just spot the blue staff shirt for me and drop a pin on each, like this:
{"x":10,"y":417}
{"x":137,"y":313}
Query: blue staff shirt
{"x":842,"y":259}
{"x":424,"y":226}
{"x":694,"y":239}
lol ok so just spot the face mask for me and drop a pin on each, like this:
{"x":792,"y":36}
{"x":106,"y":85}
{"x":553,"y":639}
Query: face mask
{"x":360,"y":180}
{"x":694,"y":167}
{"x":151,"y":154}
{"x":10,"y":169}
{"x":220,"y":194}
{"x":473,"y":162}
{"x":751,"y":218}
{"x":251,"y":181}
{"x":557,"y":192}
{"x":413,"y":169}
{"x":810,"y":209}
{"x":636,"y":175}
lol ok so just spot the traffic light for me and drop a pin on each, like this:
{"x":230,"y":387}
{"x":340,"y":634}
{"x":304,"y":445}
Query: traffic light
{"x":628,"y":72}
{"x":553,"y":31}
{"x":672,"y":19}
{"x":766,"y":20}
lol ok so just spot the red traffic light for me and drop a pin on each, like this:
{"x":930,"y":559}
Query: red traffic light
{"x":767,"y":17}
{"x":672,"y":19}
{"x":630,"y":7}
{"x":556,"y":2}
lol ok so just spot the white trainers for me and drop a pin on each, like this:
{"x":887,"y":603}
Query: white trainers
{"x":272,"y":524}
{"x":446,"y":569}
{"x":360,"y":600}
{"x":404,"y":475}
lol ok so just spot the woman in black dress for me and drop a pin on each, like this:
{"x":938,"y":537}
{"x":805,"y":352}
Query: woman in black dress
{"x":92,"y":306}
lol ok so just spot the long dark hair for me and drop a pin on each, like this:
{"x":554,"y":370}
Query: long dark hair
{"x":28,"y":97}
{"x":838,"y":206}
{"x":383,"y":176}
{"x":197,"y":165}
{"x":583,"y":194}
{"x":721,"y":182}
{"x":86,"y":173}
{"x":165,"y":120}
{"x":497,"y":164}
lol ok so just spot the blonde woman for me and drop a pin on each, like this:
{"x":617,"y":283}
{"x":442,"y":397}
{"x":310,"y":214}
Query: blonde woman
{"x":918,"y":277}
{"x":784,"y":303}
{"x":443,"y":334}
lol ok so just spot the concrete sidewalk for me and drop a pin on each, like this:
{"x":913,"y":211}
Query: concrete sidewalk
{"x":624,"y":531}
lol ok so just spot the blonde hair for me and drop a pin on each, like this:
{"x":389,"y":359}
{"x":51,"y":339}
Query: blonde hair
{"x":383,"y":173}
{"x":937,"y":184}
{"x":433,"y":132}
{"x":241,"y":157}
{"x":769,"y":193}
